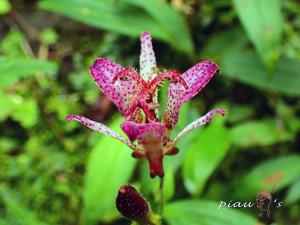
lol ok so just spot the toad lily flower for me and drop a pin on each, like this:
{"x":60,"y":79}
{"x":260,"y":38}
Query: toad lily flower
{"x":135,"y":93}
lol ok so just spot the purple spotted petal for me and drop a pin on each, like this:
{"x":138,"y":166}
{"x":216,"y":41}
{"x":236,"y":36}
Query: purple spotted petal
{"x":147,"y":57}
{"x":137,"y":131}
{"x":150,"y":136}
{"x":101,"y":128}
{"x":121,"y":92}
{"x":199,"y":122}
{"x":196,"y":78}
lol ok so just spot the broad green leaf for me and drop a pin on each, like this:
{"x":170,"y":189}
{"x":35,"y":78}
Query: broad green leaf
{"x":166,"y":16}
{"x":263,"y":22}
{"x":204,"y":156}
{"x":110,"y":165}
{"x":219,"y":44}
{"x":258,"y":133}
{"x":129,"y":17}
{"x":293,"y":194}
{"x":196,"y":212}
{"x":108,"y":15}
{"x":246,"y":67}
{"x":237,"y":113}
{"x":13,"y":69}
{"x":274,"y":173}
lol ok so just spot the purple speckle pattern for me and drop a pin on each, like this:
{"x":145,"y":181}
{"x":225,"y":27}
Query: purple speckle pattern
{"x":101,"y":128}
{"x":137,"y":131}
{"x":199,"y":122}
{"x":121,"y":92}
{"x":171,"y":75}
{"x":133,"y":93}
{"x":196,"y":78}
{"x":147,"y":57}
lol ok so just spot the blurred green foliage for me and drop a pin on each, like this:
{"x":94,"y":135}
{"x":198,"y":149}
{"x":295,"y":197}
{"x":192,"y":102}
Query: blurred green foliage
{"x":263,"y":27}
{"x":53,"y":172}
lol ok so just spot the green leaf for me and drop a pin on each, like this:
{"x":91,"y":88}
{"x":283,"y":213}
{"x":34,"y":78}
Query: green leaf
{"x":166,"y":16}
{"x":13,"y":69}
{"x":238,"y":113}
{"x":195,"y":212}
{"x":204,"y":156}
{"x":277,"y":173}
{"x":293,"y":194}
{"x":247,"y":68}
{"x":5,"y":7}
{"x":221,"y":43}
{"x":129,"y":17}
{"x":263,"y":22}
{"x":107,"y":15}
{"x":258,"y":133}
{"x":110,"y":165}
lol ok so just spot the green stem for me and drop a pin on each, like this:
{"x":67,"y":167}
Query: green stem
{"x":161,"y":196}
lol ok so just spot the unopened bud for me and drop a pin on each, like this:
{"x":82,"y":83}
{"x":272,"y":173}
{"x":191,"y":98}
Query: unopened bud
{"x":133,"y":206}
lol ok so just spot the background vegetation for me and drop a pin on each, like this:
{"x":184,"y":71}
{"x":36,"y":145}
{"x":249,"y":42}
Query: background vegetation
{"x":53,"y":172}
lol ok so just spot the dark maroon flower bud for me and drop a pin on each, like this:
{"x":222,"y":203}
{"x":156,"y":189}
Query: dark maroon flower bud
{"x":133,"y":206}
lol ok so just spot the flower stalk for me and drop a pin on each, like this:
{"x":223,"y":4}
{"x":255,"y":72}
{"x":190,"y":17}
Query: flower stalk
{"x":161,"y":196}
